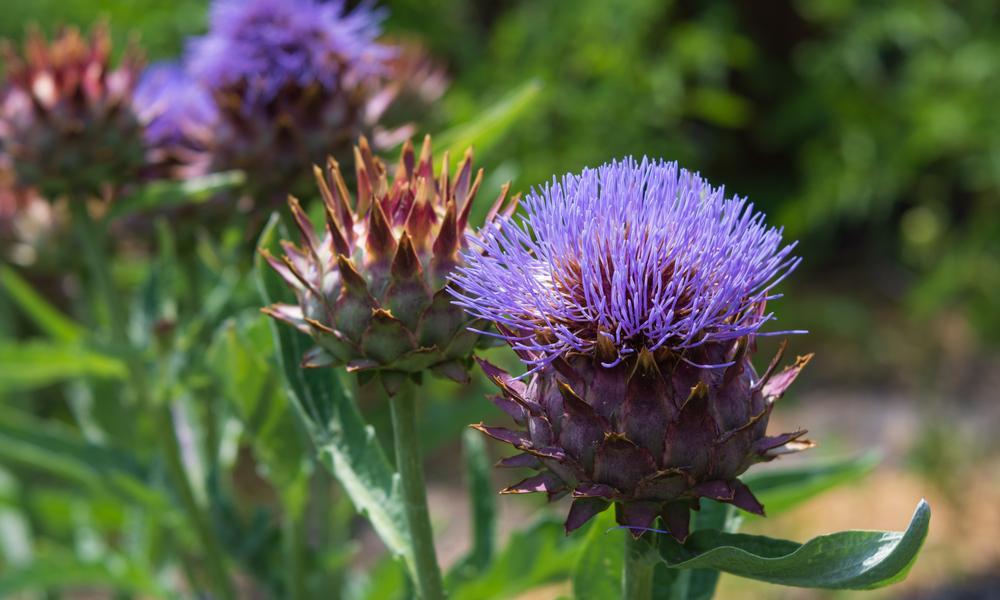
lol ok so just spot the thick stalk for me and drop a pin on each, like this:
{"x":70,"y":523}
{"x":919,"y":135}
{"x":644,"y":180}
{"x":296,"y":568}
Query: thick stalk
{"x":411,"y":471}
{"x":637,"y":573}
{"x":92,"y":239}
{"x":293,"y":536}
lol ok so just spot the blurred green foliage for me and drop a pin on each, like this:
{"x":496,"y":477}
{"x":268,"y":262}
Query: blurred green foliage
{"x":867,"y":129}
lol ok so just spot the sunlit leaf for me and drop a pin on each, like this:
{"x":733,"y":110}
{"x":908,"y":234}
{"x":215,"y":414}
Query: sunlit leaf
{"x":848,"y":560}
{"x":35,"y":364}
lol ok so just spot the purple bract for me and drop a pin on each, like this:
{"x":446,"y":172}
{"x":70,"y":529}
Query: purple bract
{"x":644,"y":254}
{"x":269,"y":44}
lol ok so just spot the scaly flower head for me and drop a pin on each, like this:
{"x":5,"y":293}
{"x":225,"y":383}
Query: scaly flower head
{"x":292,"y":80}
{"x":372,"y":290}
{"x":634,"y":292}
{"x":266,"y":45}
{"x":66,"y":117}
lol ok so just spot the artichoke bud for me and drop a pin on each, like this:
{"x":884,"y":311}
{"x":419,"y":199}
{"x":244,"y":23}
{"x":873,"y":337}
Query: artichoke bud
{"x":66,"y":118}
{"x":372,"y":290}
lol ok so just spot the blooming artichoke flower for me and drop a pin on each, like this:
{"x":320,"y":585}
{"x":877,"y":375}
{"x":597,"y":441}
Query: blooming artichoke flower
{"x":66,"y":117}
{"x":292,"y":79}
{"x":372,"y":290}
{"x":634,"y":293}
{"x":179,"y":115}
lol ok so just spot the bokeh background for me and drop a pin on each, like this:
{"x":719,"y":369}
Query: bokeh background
{"x":870,"y":130}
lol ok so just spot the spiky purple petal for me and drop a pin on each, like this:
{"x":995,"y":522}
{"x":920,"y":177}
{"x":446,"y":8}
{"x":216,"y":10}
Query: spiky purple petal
{"x":269,"y":44}
{"x":642,"y":253}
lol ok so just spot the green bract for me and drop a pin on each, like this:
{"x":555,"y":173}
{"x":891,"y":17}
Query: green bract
{"x":372,"y":291}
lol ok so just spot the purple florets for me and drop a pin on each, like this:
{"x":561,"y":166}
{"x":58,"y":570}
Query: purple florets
{"x":269,"y":44}
{"x":643,"y":254}
{"x":172,"y":105}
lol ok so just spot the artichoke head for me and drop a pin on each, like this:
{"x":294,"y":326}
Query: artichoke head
{"x":66,"y":117}
{"x":653,"y":433}
{"x":372,"y":289}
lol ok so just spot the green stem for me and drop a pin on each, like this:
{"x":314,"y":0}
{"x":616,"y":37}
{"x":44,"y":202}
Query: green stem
{"x":293,"y":535}
{"x":411,"y":471}
{"x":637,"y":573}
{"x":92,"y":240}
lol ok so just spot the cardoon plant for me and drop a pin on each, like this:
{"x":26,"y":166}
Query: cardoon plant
{"x":372,"y":294}
{"x":292,"y":80}
{"x":635,"y":293}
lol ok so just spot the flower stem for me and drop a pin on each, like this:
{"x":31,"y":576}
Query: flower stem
{"x":92,"y":240}
{"x":637,"y":573}
{"x":411,"y":471}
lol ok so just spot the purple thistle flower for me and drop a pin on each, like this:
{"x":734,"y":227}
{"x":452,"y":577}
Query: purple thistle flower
{"x":644,"y":254}
{"x":174,"y":107}
{"x":635,"y":293}
{"x":268,"y":44}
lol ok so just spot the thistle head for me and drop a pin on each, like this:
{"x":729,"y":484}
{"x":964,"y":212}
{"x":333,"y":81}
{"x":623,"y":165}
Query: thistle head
{"x":370,"y":287}
{"x":626,"y":257}
{"x":65,"y":116}
{"x":292,"y":81}
{"x":634,"y":293}
{"x":261,"y":48}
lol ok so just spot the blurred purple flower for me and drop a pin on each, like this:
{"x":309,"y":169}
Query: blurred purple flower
{"x":643,"y":254}
{"x":175,"y":108}
{"x":268,"y":44}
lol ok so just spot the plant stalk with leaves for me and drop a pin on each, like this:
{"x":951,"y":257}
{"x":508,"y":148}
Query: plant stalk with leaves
{"x":92,"y":240}
{"x":634,"y":294}
{"x":371,"y":293}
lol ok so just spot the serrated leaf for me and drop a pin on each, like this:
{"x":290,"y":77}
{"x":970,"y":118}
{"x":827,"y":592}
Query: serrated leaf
{"x":848,"y":560}
{"x":35,"y":364}
{"x":782,"y":489}
{"x":597,"y":574}
{"x":347,"y":445}
{"x":45,"y":316}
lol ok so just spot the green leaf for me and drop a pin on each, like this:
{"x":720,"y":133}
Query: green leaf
{"x":251,"y":387}
{"x":482,"y":495}
{"x":598,"y":572}
{"x":538,"y":555}
{"x":165,"y":193}
{"x":35,"y":364}
{"x":347,"y":445}
{"x":60,"y":570}
{"x":852,"y":560}
{"x":487,"y":127}
{"x":46,"y":446}
{"x":781,"y":490}
{"x":47,"y":317}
